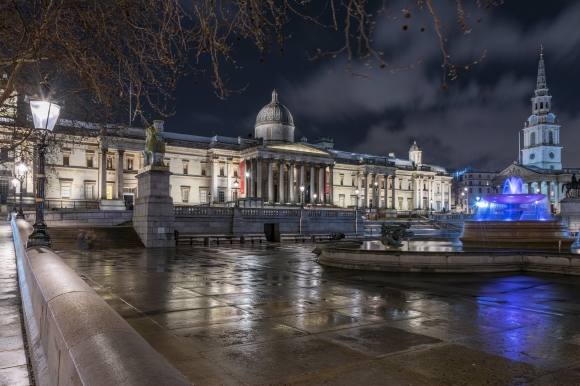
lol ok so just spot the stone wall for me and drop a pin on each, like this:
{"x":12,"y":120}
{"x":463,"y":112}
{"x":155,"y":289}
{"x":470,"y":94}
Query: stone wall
{"x":74,"y":336}
{"x":93,"y":218}
{"x":239,"y":221}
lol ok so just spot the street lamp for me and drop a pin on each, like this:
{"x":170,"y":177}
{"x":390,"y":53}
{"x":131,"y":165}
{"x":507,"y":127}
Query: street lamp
{"x":462,"y":200}
{"x":466,"y":199}
{"x":357,"y":192}
{"x":302,"y":196}
{"x":21,"y":170}
{"x":209,"y":198}
{"x":314,"y":197}
{"x":431,"y":202}
{"x":236,"y":187}
{"x":14,"y":184}
{"x":44,"y":114}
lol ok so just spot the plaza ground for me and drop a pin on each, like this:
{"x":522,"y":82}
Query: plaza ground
{"x":270,"y":314}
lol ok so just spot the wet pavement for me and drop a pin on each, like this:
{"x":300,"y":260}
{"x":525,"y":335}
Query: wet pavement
{"x":14,"y":368}
{"x":267,"y":314}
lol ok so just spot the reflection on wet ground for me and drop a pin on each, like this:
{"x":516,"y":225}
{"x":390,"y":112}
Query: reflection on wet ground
{"x":269,"y":314}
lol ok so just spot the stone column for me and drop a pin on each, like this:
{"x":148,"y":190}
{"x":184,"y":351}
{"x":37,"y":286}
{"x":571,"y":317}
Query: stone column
{"x":393,"y":193}
{"x":214,"y":177}
{"x":281,"y":182}
{"x":312,"y":191}
{"x":120,"y":154}
{"x":252,"y":189}
{"x":302,"y":180}
{"x":259,"y":177}
{"x":366,"y":181}
{"x":270,"y":180}
{"x":103,"y":173}
{"x":321,"y":171}
{"x":229,"y":175}
{"x":291,"y":181}
{"x":331,"y":185}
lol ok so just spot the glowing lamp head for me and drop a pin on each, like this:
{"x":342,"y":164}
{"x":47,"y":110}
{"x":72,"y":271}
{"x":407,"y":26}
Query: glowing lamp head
{"x":314,"y":196}
{"x":248,"y":174}
{"x":21,"y":169}
{"x":356,"y":191}
{"x":44,"y":114}
{"x":236,"y":184}
{"x":302,"y":188}
{"x":15,"y":182}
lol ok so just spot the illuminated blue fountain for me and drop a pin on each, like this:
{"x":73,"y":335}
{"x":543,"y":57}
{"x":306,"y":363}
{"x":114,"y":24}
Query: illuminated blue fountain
{"x":515,"y":220}
{"x":513,"y":204}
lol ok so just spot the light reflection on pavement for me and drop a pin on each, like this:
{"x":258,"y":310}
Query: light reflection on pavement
{"x":269,"y":314}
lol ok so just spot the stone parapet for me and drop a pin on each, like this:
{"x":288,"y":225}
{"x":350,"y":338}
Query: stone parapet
{"x":74,"y":336}
{"x":450,"y":262}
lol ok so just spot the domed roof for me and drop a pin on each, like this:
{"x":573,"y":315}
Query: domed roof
{"x":274,"y":112}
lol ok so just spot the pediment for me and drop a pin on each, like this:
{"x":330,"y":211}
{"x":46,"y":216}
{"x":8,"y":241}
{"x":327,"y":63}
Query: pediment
{"x":298,"y":148}
{"x":517,"y":171}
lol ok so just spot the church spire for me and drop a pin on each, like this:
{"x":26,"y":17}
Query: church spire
{"x":541,"y":83}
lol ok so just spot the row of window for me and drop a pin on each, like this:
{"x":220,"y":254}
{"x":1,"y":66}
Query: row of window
{"x":90,"y":161}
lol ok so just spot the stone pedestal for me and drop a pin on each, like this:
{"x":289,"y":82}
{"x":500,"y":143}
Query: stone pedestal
{"x":570,"y":212}
{"x":153,"y":217}
{"x":112,"y":205}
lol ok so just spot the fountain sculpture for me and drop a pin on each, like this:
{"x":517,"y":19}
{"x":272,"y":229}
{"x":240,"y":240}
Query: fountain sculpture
{"x":515,"y":220}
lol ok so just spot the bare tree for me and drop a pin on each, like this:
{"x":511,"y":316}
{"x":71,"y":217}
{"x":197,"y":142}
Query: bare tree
{"x":101,"y":54}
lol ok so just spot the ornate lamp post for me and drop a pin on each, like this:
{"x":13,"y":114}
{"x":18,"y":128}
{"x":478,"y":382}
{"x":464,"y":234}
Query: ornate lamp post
{"x":209,"y":198}
{"x":21,"y":170}
{"x":357,"y":192}
{"x":44,"y":114}
{"x":431,"y":203}
{"x":467,"y":199}
{"x":302,"y":196}
{"x":236,"y":187}
{"x":462,"y":200}
{"x":14,"y":184}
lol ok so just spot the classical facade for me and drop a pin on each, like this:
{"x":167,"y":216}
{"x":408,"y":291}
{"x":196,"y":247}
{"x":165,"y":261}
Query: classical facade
{"x":223,"y":170}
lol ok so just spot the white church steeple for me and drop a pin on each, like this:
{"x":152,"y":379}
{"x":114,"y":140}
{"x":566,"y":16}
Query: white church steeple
{"x":541,"y":130}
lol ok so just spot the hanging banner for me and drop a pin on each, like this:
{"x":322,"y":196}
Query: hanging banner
{"x":326,"y":182}
{"x":242,"y":177}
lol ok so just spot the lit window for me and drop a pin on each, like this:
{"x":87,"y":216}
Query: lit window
{"x":129,"y":163}
{"x":185,"y":195}
{"x":342,"y":179}
{"x":89,"y":191}
{"x":65,"y":191}
{"x":222,"y":196}
{"x":203,"y":197}
{"x":185,"y":167}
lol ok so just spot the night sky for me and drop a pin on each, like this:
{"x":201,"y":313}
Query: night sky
{"x":475,"y":122}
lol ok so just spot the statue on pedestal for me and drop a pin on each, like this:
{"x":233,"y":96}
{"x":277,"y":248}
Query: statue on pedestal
{"x":154,"y":145}
{"x":573,"y":185}
{"x":394,"y":235}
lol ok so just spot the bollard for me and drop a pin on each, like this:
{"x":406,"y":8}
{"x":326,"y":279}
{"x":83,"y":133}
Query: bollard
{"x":206,"y":241}
{"x":313,"y":238}
{"x":242,"y":239}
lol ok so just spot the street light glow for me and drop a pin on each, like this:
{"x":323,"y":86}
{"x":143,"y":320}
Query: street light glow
{"x":44,"y":114}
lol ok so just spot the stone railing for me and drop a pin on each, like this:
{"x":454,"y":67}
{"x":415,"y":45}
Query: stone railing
{"x":75,"y":337}
{"x":202,"y":211}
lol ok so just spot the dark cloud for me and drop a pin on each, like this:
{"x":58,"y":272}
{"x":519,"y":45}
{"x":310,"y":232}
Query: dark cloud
{"x":475,"y":122}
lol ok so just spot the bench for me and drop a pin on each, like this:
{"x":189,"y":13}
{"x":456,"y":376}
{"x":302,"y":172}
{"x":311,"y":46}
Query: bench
{"x":258,"y":236}
{"x":205,"y":238}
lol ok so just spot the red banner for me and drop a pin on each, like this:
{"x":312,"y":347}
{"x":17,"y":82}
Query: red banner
{"x":242,"y":177}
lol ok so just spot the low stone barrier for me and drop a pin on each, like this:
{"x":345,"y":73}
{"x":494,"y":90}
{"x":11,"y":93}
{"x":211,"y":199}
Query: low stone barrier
{"x":75,"y":337}
{"x":450,"y":262}
{"x":90,"y":217}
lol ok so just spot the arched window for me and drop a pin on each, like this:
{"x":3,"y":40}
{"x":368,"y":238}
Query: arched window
{"x":551,"y":137}
{"x":541,"y":105}
{"x":533,"y":139}
{"x":547,"y":105}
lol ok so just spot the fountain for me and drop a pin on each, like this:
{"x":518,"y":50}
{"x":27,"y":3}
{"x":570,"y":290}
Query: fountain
{"x":515,"y":220}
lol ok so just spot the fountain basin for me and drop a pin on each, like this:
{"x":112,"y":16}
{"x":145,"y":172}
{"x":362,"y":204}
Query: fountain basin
{"x":514,"y":198}
{"x":517,"y":235}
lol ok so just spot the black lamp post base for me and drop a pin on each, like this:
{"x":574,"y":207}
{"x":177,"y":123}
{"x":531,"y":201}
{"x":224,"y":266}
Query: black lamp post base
{"x":19,"y":215}
{"x":39,"y":237}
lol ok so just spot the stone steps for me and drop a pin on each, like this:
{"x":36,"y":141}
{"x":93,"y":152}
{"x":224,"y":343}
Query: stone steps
{"x":105,"y":237}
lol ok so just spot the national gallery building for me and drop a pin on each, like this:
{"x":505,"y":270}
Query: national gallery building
{"x":222,"y":170}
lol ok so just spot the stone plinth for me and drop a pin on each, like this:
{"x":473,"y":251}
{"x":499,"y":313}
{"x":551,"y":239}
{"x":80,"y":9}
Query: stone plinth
{"x":570,"y":212}
{"x":516,"y":235}
{"x":153,"y":217}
